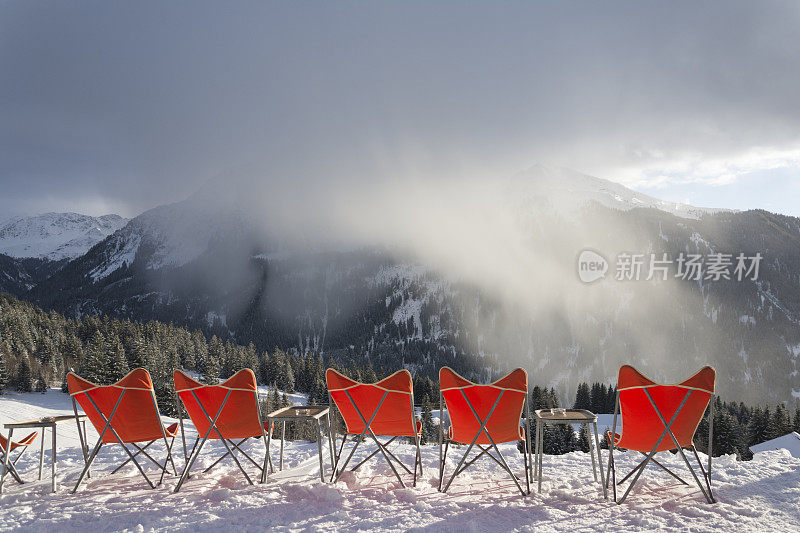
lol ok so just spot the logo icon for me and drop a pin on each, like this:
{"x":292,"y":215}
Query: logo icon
{"x":591,"y":266}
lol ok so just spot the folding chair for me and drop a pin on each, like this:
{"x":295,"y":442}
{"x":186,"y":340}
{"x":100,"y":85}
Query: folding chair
{"x":385,"y":408}
{"x":651,"y":412}
{"x":227,"y":412}
{"x":8,"y":464}
{"x":126,"y":413}
{"x":484,"y":416}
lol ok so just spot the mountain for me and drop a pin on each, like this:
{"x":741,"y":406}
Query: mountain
{"x":569,"y":191}
{"x":18,"y":276}
{"x":55,"y":236}
{"x":505,"y":295}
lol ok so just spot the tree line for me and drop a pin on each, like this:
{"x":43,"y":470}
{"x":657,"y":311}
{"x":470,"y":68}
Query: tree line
{"x":38,"y":348}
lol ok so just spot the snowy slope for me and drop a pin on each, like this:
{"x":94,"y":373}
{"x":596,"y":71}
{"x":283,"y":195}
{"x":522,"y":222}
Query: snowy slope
{"x":568,"y":190}
{"x":758,"y":495}
{"x":789,"y":442}
{"x":55,"y":236}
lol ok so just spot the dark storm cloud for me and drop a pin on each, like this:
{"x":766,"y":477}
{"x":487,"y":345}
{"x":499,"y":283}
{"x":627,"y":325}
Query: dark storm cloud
{"x":122,"y":106}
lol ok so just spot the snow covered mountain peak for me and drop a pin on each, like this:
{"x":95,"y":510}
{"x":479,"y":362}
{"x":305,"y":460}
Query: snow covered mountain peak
{"x":568,"y":190}
{"x":55,"y":236}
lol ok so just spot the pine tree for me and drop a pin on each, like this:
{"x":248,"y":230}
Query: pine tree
{"x":210,"y":373}
{"x":779,"y":424}
{"x":117,"y":365}
{"x":597,"y":398}
{"x":276,"y":365}
{"x":428,"y":427}
{"x":263,"y":368}
{"x":727,"y":434}
{"x":582,"y":398}
{"x":64,"y":385}
{"x":611,"y":399}
{"x":24,"y":382}
{"x":583,"y":444}
{"x":93,"y":366}
{"x":758,"y":428}
{"x":796,"y":423}
{"x":369,"y":375}
{"x":41,"y":384}
{"x":4,"y":379}
{"x":288,"y":377}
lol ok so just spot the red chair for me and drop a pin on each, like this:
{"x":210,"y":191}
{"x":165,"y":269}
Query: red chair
{"x":126,"y":413}
{"x":8,"y":464}
{"x":385,"y":408}
{"x":226,"y":412}
{"x":484,"y":415}
{"x":651,"y":412}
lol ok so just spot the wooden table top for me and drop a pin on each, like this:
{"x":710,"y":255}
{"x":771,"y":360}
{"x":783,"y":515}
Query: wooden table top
{"x":46,"y":421}
{"x":299,"y":412}
{"x":571,"y":415}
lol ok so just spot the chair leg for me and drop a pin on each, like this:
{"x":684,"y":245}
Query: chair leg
{"x":352,"y":451}
{"x":168,"y":460}
{"x":417,"y":461}
{"x":138,"y":451}
{"x":219,"y":460}
{"x":706,"y":475}
{"x":370,"y":456}
{"x":337,"y":457}
{"x":88,"y":464}
{"x":527,"y":477}
{"x":11,"y":469}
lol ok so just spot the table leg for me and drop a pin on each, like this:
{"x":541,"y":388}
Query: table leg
{"x":319,"y":449}
{"x":600,"y":460}
{"x":591,"y":450}
{"x":53,"y":485}
{"x":540,"y":426}
{"x":41,"y":453}
{"x":268,"y":462}
{"x":283,"y":435}
{"x":330,"y":437}
{"x":6,"y":454}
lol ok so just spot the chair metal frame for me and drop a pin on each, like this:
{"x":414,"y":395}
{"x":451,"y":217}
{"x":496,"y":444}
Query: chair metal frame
{"x":381,"y":447}
{"x":131,"y":456}
{"x":500,"y":460}
{"x":8,"y":464}
{"x":229,"y":444}
{"x":638,"y":469}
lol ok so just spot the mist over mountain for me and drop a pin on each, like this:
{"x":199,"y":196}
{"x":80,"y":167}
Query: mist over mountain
{"x":480,"y":277}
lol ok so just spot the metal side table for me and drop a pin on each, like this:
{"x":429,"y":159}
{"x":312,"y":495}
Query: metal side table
{"x":312,"y":413}
{"x":42,"y":424}
{"x":569,"y":416}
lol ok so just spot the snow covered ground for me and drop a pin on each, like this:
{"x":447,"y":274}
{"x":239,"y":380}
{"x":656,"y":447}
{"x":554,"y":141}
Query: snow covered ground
{"x":762,"y":494}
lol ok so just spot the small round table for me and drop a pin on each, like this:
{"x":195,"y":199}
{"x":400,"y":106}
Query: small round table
{"x":570,"y":416}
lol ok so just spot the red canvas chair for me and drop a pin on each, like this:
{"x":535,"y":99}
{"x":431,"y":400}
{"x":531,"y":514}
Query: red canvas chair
{"x":385,"y":408}
{"x":126,"y":413}
{"x":651,"y":412}
{"x":226,"y":412}
{"x":484,"y":415}
{"x":6,"y":463}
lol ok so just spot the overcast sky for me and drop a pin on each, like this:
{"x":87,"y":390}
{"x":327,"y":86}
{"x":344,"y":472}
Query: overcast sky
{"x":118,"y":107}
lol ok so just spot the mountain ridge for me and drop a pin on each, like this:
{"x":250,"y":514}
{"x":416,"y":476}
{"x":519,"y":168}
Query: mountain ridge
{"x":55,"y":236}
